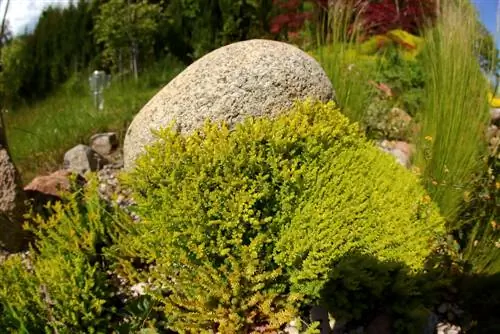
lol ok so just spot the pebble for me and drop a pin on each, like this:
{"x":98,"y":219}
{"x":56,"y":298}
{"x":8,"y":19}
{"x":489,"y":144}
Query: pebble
{"x":447,"y":328}
{"x":111,"y":190}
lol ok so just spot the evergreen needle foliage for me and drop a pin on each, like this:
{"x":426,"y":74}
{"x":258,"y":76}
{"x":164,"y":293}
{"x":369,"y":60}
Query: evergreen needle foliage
{"x":240,"y":228}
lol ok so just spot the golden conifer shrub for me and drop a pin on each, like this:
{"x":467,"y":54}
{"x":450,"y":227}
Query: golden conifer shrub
{"x":241,"y":227}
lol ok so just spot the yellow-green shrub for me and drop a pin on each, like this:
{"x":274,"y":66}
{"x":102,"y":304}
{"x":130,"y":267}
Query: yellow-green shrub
{"x":63,"y":284}
{"x":239,"y":227}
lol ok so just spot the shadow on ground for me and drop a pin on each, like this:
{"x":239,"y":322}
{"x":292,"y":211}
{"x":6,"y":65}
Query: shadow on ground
{"x":376,"y":297}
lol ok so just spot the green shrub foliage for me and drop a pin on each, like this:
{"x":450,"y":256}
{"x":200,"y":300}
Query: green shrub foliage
{"x":63,"y":284}
{"x":239,"y":227}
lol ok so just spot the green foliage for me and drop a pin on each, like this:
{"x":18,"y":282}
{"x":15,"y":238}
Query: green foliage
{"x":406,"y":80}
{"x":455,"y":109}
{"x":350,"y":75}
{"x":15,"y":66}
{"x":60,"y":45}
{"x":407,"y":46}
{"x":198,"y":27}
{"x":239,"y":223}
{"x":126,"y":29}
{"x":480,"y":217}
{"x":63,"y":284}
{"x":40,"y":133}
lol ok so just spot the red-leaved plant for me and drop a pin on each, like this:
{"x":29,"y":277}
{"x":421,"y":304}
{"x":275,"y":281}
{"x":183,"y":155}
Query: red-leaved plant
{"x":377,"y":16}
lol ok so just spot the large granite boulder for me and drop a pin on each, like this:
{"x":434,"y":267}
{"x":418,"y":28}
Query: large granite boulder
{"x":251,"y":78}
{"x":11,"y":205}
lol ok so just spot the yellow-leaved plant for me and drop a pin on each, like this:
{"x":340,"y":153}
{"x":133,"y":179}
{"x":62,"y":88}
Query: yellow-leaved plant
{"x":242,"y":227}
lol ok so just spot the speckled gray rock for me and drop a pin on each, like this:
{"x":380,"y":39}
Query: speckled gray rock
{"x":400,"y":150}
{"x":11,"y":205}
{"x":251,"y":78}
{"x":104,"y":143}
{"x":495,"y":115}
{"x":81,"y":159}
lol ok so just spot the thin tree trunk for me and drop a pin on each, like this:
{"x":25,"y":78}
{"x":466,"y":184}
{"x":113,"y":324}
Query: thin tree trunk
{"x":3,"y":136}
{"x":120,"y":62}
{"x":4,"y":20}
{"x":135,"y":53}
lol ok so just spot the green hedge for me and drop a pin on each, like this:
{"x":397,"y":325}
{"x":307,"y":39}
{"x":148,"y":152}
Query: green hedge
{"x":241,"y":228}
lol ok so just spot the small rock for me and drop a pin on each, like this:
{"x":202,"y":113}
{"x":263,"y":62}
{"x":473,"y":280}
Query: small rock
{"x":492,"y":131}
{"x":11,"y":204}
{"x":447,"y":328}
{"x":51,"y":185}
{"x":81,"y":159}
{"x":404,"y":147}
{"x":495,"y":115}
{"x":400,"y":150}
{"x":291,"y":327}
{"x":138,"y":289}
{"x":104,"y":143}
{"x":401,"y":157}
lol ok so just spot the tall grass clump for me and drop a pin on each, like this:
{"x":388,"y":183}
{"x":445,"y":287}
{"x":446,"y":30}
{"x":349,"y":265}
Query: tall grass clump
{"x":350,"y":78}
{"x":455,"y":108}
{"x":479,"y":234}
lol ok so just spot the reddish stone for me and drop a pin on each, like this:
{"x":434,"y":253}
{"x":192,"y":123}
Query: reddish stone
{"x":51,"y":184}
{"x":404,"y":147}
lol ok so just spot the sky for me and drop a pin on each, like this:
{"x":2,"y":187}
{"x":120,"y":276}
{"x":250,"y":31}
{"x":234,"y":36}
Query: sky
{"x":23,"y":14}
{"x":488,"y":14}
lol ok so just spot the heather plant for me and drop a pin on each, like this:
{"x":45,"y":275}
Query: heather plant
{"x":241,"y":228}
{"x":63,"y":284}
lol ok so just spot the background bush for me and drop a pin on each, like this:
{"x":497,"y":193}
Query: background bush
{"x":242,"y":227}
